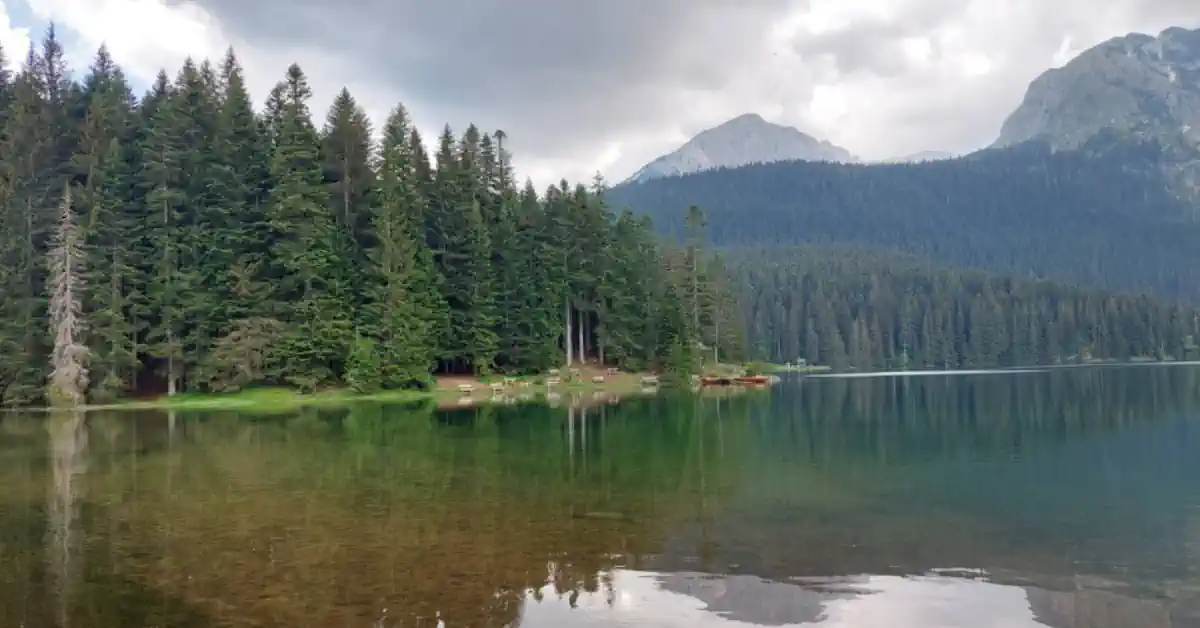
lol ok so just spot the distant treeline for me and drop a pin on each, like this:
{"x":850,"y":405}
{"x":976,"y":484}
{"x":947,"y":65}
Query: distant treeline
{"x":851,"y":308}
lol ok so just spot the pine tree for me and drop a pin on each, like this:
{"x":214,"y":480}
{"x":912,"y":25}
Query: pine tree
{"x":402,"y":312}
{"x":160,"y":184}
{"x":31,"y":170}
{"x":535,"y":300}
{"x":235,"y":212}
{"x":223,"y":249}
{"x":112,"y":279}
{"x":462,"y":253}
{"x":101,"y":199}
{"x":200,"y":214}
{"x":346,"y":149}
{"x":308,"y":293}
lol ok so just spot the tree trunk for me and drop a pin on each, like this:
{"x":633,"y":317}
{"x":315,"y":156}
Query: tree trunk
{"x":695,"y":297}
{"x":579,"y":330}
{"x":170,"y":370}
{"x":716,"y":337}
{"x":567,"y":334}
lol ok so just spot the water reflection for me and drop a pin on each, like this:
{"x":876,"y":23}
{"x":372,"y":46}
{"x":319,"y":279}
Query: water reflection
{"x":68,"y":462}
{"x":1071,"y":496}
{"x":698,"y":600}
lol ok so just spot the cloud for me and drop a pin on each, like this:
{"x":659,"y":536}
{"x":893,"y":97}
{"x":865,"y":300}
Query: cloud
{"x":607,"y":85}
{"x":14,"y":40}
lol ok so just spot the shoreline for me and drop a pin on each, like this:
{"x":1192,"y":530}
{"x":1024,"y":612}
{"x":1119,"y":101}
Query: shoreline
{"x":446,"y":394}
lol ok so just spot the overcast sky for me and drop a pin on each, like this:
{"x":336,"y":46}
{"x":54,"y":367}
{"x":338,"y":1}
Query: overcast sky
{"x":607,"y":85}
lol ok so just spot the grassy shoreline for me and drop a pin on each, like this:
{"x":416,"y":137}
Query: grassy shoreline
{"x":447,"y":394}
{"x":264,"y":399}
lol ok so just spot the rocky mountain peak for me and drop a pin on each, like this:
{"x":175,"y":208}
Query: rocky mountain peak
{"x":1136,"y":84}
{"x":743,"y":140}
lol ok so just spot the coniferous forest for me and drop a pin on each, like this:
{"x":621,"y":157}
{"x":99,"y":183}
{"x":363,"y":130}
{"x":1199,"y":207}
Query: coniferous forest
{"x":187,"y":241}
{"x":863,"y":309}
{"x":1103,"y":216}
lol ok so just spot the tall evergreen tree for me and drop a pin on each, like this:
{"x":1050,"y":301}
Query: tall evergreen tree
{"x":221,"y":249}
{"x":33,"y":167}
{"x":235,"y":209}
{"x":402,"y":311}
{"x":308,"y":291}
{"x":113,"y":279}
{"x":102,"y":202}
{"x":462,"y":253}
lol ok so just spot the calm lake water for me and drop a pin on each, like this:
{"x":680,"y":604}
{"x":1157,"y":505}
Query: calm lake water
{"x":1063,"y":498}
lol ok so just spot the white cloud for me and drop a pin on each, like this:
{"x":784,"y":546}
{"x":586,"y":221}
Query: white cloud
{"x":14,"y":39}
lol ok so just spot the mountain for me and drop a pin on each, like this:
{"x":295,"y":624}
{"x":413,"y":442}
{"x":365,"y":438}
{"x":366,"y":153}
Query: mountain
{"x":1136,"y":84}
{"x":1101,"y":216}
{"x":1093,"y":181}
{"x":746,"y":139}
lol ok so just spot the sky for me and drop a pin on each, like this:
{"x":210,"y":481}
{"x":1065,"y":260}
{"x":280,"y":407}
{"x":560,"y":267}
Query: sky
{"x":607,"y":85}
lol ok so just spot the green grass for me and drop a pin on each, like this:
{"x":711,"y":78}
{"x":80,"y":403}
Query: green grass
{"x":271,"y":400}
{"x":268,"y":400}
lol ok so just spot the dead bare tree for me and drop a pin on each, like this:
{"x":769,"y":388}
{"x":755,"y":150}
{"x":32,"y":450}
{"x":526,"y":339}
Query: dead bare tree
{"x":68,"y":381}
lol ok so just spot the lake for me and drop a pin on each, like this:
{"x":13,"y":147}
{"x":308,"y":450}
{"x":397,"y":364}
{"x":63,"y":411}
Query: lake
{"x":1062,"y":497}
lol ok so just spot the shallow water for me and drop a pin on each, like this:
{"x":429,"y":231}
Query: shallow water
{"x":1064,"y":498}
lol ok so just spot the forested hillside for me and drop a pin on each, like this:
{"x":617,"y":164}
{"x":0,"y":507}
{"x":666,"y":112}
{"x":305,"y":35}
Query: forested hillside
{"x":1102,"y":216}
{"x":184,"y":241}
{"x":852,"y":308}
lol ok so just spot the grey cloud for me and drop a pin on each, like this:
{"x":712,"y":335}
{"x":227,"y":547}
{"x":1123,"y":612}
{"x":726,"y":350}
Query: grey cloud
{"x":556,"y":75}
{"x":873,"y":46}
{"x":563,"y":77}
{"x":966,"y":113}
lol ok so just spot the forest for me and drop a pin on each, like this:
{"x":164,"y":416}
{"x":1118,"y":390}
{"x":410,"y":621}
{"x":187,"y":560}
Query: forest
{"x":1103,"y":216}
{"x":859,"y":309}
{"x":187,"y":241}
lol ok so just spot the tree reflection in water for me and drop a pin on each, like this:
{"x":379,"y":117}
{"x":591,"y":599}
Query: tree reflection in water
{"x":68,"y":462}
{"x":383,"y":515}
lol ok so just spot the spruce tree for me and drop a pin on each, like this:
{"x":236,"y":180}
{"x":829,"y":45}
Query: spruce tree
{"x":346,"y":150}
{"x":30,"y":171}
{"x":402,"y":310}
{"x":160,"y":184}
{"x":223,"y":249}
{"x":112,"y":278}
{"x":235,"y":209}
{"x":308,"y":292}
{"x":462,"y":253}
